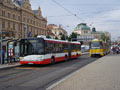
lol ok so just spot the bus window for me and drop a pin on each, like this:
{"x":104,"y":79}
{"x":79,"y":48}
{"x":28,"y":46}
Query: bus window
{"x":30,"y":48}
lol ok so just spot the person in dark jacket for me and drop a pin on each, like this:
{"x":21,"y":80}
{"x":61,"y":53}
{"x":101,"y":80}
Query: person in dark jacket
{"x":114,"y":50}
{"x":3,"y":56}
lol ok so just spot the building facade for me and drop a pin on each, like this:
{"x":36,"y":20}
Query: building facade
{"x":16,"y":16}
{"x":83,"y":33}
{"x":58,"y":31}
{"x":82,"y":29}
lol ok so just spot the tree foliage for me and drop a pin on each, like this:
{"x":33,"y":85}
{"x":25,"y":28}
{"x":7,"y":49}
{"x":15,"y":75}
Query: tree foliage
{"x":105,"y":38}
{"x":48,"y":36}
{"x":63,"y":37}
{"x":35,"y":35}
{"x":56,"y":37}
{"x":73,"y":37}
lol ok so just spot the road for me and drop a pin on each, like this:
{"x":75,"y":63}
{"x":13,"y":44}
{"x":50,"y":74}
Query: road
{"x":36,"y":77}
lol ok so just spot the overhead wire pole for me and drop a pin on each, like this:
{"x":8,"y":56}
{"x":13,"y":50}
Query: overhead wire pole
{"x":67,"y":10}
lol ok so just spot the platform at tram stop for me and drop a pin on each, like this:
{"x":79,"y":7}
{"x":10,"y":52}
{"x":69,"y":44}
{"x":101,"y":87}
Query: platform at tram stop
{"x":102,"y":74}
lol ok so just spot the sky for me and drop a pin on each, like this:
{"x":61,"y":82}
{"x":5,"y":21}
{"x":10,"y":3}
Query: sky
{"x":104,"y":15}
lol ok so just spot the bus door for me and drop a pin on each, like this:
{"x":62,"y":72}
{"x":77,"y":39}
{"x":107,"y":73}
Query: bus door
{"x":69,"y":51}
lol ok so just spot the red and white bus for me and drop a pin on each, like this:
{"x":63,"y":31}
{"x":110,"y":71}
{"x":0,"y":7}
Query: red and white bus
{"x":44,"y":51}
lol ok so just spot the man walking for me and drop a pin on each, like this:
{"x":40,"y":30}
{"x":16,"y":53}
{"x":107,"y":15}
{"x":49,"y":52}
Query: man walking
{"x":3,"y":56}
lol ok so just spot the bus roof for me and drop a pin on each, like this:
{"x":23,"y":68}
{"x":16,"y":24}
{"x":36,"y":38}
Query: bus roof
{"x":54,"y":40}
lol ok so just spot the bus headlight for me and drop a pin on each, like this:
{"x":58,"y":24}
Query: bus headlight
{"x":21,"y":58}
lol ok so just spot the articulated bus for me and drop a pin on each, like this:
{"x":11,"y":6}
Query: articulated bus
{"x":45,"y":51}
{"x":98,"y":47}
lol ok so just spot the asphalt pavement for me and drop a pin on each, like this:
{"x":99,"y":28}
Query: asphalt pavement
{"x":103,"y":74}
{"x":37,"y":77}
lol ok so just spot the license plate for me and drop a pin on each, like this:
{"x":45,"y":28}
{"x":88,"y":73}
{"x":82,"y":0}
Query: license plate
{"x":30,"y":63}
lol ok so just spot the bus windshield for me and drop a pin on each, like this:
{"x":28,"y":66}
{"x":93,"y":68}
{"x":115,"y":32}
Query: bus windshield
{"x":31,"y":48}
{"x":95,"y":45}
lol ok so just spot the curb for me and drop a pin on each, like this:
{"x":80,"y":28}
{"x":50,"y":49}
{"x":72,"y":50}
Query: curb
{"x":9,"y":67}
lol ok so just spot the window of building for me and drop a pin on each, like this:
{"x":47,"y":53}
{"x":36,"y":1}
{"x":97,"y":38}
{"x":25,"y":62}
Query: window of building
{"x":13,"y":16}
{"x":3,"y":13}
{"x":8,"y":15}
{"x":19,"y":28}
{"x":40,"y":24}
{"x":19,"y":18}
{"x":28,"y":20}
{"x":8,"y":24}
{"x":24,"y":19}
{"x":3,"y":24}
{"x":37,"y":23}
{"x":31,"y":21}
{"x":14,"y":26}
{"x":27,"y":7}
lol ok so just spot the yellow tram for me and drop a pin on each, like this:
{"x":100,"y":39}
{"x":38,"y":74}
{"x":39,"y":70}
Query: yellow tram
{"x":98,"y":47}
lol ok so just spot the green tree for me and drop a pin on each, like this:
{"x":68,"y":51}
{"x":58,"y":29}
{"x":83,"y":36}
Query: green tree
{"x":35,"y":35}
{"x":56,"y":37}
{"x":48,"y":36}
{"x":73,"y":37}
{"x":105,"y":38}
{"x":63,"y":37}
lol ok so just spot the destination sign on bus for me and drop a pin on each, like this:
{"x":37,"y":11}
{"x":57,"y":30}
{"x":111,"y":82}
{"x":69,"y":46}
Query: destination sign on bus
{"x":31,"y":41}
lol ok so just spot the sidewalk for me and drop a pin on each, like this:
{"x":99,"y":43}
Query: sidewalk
{"x":6,"y":66}
{"x":103,"y":74}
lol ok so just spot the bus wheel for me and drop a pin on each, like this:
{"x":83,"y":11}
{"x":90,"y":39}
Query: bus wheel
{"x":77,"y":54}
{"x":65,"y":58}
{"x":52,"y":60}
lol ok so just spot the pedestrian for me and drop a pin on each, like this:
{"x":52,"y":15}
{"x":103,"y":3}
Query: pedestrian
{"x":117,"y":51}
{"x":113,"y":49}
{"x":3,"y":56}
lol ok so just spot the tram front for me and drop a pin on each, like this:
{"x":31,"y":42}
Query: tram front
{"x":96,"y":48}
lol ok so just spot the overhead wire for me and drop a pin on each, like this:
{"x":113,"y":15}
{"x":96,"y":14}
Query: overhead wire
{"x":67,"y":10}
{"x":92,"y":4}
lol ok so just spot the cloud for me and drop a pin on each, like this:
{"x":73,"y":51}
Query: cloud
{"x":108,"y":21}
{"x":104,"y":17}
